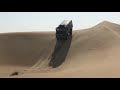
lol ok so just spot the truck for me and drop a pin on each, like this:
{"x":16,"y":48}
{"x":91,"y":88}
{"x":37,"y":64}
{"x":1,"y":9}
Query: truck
{"x":64,"y":30}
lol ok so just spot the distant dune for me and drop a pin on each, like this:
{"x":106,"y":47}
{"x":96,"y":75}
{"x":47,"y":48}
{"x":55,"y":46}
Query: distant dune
{"x":94,"y":52}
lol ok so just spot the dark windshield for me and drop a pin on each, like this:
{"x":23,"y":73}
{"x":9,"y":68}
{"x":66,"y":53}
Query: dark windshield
{"x":60,"y":32}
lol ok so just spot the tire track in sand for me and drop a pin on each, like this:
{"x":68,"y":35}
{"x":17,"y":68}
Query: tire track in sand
{"x":43,"y":61}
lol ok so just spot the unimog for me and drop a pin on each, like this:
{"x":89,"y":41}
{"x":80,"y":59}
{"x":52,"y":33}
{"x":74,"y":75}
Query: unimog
{"x":64,"y":30}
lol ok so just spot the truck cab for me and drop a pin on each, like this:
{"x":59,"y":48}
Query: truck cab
{"x":64,"y":30}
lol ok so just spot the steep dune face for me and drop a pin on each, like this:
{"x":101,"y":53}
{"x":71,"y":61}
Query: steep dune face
{"x":93,"y":52}
{"x":94,"y":49}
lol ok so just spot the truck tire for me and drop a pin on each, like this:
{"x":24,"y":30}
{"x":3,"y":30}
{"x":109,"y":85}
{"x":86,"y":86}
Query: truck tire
{"x":58,"y":38}
{"x":70,"y":31}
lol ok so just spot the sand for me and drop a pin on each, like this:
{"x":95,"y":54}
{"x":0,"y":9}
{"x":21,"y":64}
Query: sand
{"x":93,"y":53}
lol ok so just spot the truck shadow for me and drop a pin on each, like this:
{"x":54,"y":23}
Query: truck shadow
{"x":60,"y":52}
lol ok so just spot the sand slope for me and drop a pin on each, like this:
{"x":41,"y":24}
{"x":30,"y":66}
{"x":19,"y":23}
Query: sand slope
{"x":94,"y":52}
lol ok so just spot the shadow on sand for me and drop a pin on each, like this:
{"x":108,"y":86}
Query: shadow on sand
{"x":60,"y":52}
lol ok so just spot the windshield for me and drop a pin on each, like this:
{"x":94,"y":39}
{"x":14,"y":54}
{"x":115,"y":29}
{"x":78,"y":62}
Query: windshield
{"x":60,"y":32}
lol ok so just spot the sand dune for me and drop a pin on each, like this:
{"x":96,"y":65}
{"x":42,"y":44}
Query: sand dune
{"x":94,"y":52}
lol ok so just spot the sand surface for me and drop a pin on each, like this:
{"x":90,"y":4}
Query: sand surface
{"x":94,"y":52}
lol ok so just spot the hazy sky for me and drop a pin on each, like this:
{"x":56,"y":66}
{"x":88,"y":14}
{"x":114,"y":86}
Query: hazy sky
{"x":45,"y":21}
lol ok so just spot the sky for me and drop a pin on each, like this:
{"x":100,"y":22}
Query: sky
{"x":48,"y":21}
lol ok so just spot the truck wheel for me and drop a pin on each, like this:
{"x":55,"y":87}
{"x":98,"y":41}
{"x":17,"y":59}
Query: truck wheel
{"x":71,"y":31}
